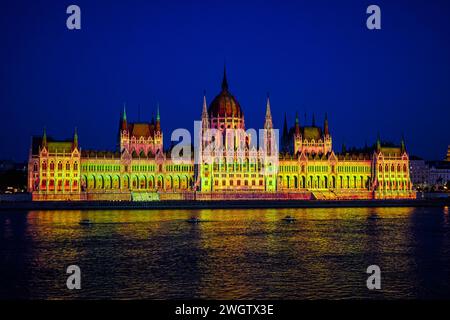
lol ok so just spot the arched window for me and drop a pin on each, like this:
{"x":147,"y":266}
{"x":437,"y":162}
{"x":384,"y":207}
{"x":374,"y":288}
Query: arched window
{"x":404,"y":168}
{"x":35,"y":167}
{"x":52,"y":166}
{"x":75,"y":166}
{"x":392,"y":168}
{"x":44,"y":166}
{"x":381,"y":168}
{"x":386,"y":168}
{"x":67,"y":166}
{"x":60,"y":166}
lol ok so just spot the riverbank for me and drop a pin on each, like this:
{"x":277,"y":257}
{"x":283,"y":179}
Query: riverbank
{"x":232,"y":204}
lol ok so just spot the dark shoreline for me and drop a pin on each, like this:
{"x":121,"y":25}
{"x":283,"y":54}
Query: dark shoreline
{"x":233,"y":204}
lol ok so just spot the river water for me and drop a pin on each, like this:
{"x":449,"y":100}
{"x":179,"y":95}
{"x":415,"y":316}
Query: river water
{"x":233,"y":254}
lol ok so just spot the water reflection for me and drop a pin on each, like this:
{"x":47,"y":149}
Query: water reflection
{"x":234,"y":254}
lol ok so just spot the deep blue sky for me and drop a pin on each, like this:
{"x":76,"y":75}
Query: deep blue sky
{"x":312,"y":56}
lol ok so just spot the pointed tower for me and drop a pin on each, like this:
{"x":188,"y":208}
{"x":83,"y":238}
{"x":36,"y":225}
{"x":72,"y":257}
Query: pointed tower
{"x":297,"y":136}
{"x":158,"y":120}
{"x":158,"y":135}
{"x":402,"y":145}
{"x":268,"y":121}
{"x":378,"y":143}
{"x":205,"y":121}
{"x":297,"y":125}
{"x":327,"y":141}
{"x":268,"y":130}
{"x":325,"y":125}
{"x":224,"y":80}
{"x":44,"y":138}
{"x":124,"y":125}
{"x":124,"y":141}
{"x":75,"y":139}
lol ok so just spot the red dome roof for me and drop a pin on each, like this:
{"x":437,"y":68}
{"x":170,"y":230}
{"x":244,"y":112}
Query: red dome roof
{"x":225,"y":104}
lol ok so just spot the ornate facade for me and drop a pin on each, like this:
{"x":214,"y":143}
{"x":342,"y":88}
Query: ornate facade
{"x":230,"y":163}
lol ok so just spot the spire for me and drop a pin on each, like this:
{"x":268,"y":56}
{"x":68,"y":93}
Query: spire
{"x":224,"y":81}
{"x":158,"y":119}
{"x":378,"y":142}
{"x":403,"y":147}
{"x":268,"y":113}
{"x":75,"y":139}
{"x":44,"y":138}
{"x":313,"y":120}
{"x":297,"y":125}
{"x":205,"y":120}
{"x":268,"y":122}
{"x":325,"y":125}
{"x":157,"y":112}
{"x":205,"y":109}
{"x":123,"y":125}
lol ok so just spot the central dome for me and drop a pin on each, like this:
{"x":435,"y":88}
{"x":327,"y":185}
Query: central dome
{"x":225,"y":104}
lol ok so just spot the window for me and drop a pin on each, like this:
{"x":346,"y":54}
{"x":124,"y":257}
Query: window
{"x":67,"y":166}
{"x":60,"y":166}
{"x":52,"y":166}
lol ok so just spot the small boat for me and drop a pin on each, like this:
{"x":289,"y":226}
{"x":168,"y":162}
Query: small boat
{"x":85,"y":222}
{"x":193,"y":220}
{"x":289,"y":219}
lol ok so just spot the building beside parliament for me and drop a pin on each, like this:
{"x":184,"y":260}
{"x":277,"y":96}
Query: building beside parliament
{"x":304,"y":167}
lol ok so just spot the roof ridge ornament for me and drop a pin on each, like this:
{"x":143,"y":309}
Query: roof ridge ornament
{"x":224,"y":80}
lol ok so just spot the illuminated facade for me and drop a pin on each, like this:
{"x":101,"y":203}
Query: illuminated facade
{"x":230,"y":164}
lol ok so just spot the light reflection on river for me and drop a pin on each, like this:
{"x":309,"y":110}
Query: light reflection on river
{"x":236,"y":254}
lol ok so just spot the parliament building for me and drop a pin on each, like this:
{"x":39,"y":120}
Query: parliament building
{"x":228,"y":165}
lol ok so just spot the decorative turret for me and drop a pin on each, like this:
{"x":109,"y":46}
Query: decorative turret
{"x":224,"y":80}
{"x":325,"y":126}
{"x":378,"y":143}
{"x":158,"y":119}
{"x":268,"y":122}
{"x":44,"y":138}
{"x":402,"y":145}
{"x":75,"y":140}
{"x":205,"y":121}
{"x":124,"y":118}
{"x":297,"y":125}
{"x":268,"y":129}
